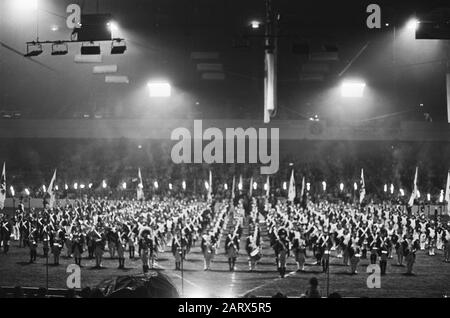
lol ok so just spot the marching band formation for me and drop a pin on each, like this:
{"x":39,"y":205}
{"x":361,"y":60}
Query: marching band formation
{"x":145,"y":228}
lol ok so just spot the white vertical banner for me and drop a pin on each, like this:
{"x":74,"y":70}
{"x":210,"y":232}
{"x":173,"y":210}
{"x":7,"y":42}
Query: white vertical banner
{"x":210,"y":186}
{"x":414,"y":192}
{"x":140,"y":187}
{"x":291,"y":190}
{"x":269,"y":86}
{"x":448,"y":97}
{"x":3,"y":187}
{"x":50,"y":191}
{"x":233,"y":188}
{"x":447,"y":193}
{"x":362,"y":191}
{"x":303,"y":188}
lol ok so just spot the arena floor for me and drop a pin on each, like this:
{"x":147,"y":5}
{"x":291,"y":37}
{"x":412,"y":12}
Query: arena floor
{"x":432,"y":277}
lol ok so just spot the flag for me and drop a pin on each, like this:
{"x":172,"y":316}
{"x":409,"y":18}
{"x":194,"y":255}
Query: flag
{"x":362,"y":190}
{"x":291,"y":190}
{"x":447,"y":193}
{"x":140,"y":187}
{"x":210,"y":186}
{"x":303,"y":188}
{"x":250,"y":192}
{"x":270,"y":81}
{"x":304,"y":194}
{"x":233,"y":188}
{"x":3,"y":188}
{"x":414,"y":192}
{"x":268,"y":187}
{"x":50,"y":192}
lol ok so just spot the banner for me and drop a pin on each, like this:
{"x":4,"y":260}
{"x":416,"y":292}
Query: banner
{"x":447,"y":193}
{"x":291,"y":190}
{"x":414,"y":192}
{"x":448,"y":97}
{"x":3,"y":188}
{"x":210,"y":186}
{"x":140,"y":187}
{"x":362,"y":190}
{"x":50,"y":192}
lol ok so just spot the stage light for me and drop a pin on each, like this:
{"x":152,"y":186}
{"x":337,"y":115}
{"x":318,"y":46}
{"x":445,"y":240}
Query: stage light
{"x":352,"y":88}
{"x":170,"y":186}
{"x":324,"y":186}
{"x":90,"y":49}
{"x":428,"y":197}
{"x":341,"y":187}
{"x":90,"y":185}
{"x":60,"y":48}
{"x":25,"y":5}
{"x":75,"y":186}
{"x":124,"y":185}
{"x":13,"y":193}
{"x":285,"y":185}
{"x":308,"y":186}
{"x":355,"y":186}
{"x":206,"y":185}
{"x":255,"y":186}
{"x":418,"y":194}
{"x":104,"y":184}
{"x":265,"y":186}
{"x":225,"y":186}
{"x":159,"y":89}
{"x":255,"y":24}
{"x":56,"y":187}
{"x":27,"y":192}
{"x":82,"y":186}
{"x":402,"y":193}
{"x":155,"y":184}
{"x":44,"y":188}
{"x":112,"y":26}
{"x":33,"y":49}
{"x":392,"y":188}
{"x":385,"y":188}
{"x":441,"y":196}
{"x":118,"y":46}
{"x":413,"y":24}
{"x":240,"y":186}
{"x":184,"y":185}
{"x":66,"y":187}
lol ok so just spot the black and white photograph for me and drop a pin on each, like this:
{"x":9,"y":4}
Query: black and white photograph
{"x":223,"y":149}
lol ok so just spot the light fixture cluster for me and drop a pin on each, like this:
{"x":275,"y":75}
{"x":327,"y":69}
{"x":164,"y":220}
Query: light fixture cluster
{"x":35,"y":48}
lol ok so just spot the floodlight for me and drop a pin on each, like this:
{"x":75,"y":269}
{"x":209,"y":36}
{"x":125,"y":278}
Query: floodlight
{"x":33,"y":49}
{"x":159,"y":89}
{"x":60,"y":48}
{"x":90,"y":49}
{"x":118,"y":46}
{"x":352,"y":88}
{"x":413,"y":24}
{"x":112,"y":26}
{"x":255,"y":24}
